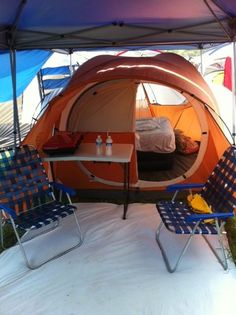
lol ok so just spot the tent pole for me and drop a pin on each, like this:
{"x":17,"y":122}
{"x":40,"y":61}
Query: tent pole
{"x":15,"y":107}
{"x":201,"y":62}
{"x":71,"y":63}
{"x":234,"y":92}
{"x":148,"y":100}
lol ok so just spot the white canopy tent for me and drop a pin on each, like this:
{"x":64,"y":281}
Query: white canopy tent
{"x":75,"y":25}
{"x":78,"y":24}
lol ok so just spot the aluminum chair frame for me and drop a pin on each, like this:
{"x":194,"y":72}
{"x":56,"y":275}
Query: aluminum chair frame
{"x":222,"y":260}
{"x":8,"y":213}
{"x":193,"y":224}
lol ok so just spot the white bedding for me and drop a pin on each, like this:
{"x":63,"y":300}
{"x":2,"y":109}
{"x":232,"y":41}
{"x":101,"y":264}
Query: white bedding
{"x":155,"y":135}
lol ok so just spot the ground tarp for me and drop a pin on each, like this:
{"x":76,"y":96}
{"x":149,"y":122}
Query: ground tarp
{"x":118,"y":270}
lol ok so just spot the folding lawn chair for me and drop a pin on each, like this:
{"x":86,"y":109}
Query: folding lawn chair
{"x":27,"y":199}
{"x":219,"y":192}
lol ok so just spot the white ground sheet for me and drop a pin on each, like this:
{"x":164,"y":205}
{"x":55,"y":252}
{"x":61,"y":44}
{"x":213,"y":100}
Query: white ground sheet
{"x":117,"y":271}
{"x":155,"y":135}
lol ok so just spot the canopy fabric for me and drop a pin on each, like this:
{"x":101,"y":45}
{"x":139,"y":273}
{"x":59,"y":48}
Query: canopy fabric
{"x":28,"y":63}
{"x":79,"y":24}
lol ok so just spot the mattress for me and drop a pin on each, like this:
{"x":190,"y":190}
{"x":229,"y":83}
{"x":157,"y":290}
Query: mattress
{"x":155,"y":135}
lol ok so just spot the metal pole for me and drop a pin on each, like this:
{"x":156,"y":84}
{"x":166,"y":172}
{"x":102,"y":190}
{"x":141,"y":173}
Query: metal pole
{"x":71,"y":63}
{"x":233,"y":74}
{"x":11,"y":39}
{"x":16,"y":125}
{"x":201,"y":62}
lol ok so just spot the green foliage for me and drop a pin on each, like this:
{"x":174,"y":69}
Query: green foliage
{"x":230,"y":228}
{"x":9,"y":237}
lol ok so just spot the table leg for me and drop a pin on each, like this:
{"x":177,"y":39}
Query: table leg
{"x":52,"y":171}
{"x":126,"y":188}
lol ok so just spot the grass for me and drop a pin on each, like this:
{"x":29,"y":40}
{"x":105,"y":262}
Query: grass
{"x":230,"y":228}
{"x":9,"y":237}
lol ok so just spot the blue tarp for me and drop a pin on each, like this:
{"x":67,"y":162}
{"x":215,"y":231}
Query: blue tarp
{"x":28,"y":63}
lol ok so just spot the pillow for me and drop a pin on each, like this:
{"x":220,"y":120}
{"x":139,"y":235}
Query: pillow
{"x":184,"y":144}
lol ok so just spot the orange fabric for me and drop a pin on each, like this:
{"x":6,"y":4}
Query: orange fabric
{"x":168,"y":69}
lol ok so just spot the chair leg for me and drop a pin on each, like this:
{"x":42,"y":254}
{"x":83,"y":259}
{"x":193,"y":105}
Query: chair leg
{"x":173,"y":268}
{"x":1,"y":231}
{"x":79,"y":230}
{"x":20,"y":244}
{"x":30,"y":266}
{"x":222,"y":260}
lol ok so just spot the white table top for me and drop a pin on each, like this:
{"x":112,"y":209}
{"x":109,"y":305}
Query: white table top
{"x":121,"y":153}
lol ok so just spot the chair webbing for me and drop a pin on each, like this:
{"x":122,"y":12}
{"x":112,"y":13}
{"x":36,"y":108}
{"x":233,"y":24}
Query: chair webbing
{"x":43,"y":215}
{"x":174,"y":215}
{"x":23,"y":180}
{"x":220,"y":188}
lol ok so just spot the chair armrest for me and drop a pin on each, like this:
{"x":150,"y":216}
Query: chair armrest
{"x":204,"y":216}
{"x":8,"y":210}
{"x":175,"y":187}
{"x":63,"y":188}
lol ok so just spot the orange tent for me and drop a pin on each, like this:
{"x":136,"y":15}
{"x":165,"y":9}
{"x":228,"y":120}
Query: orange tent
{"x":102,"y":96}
